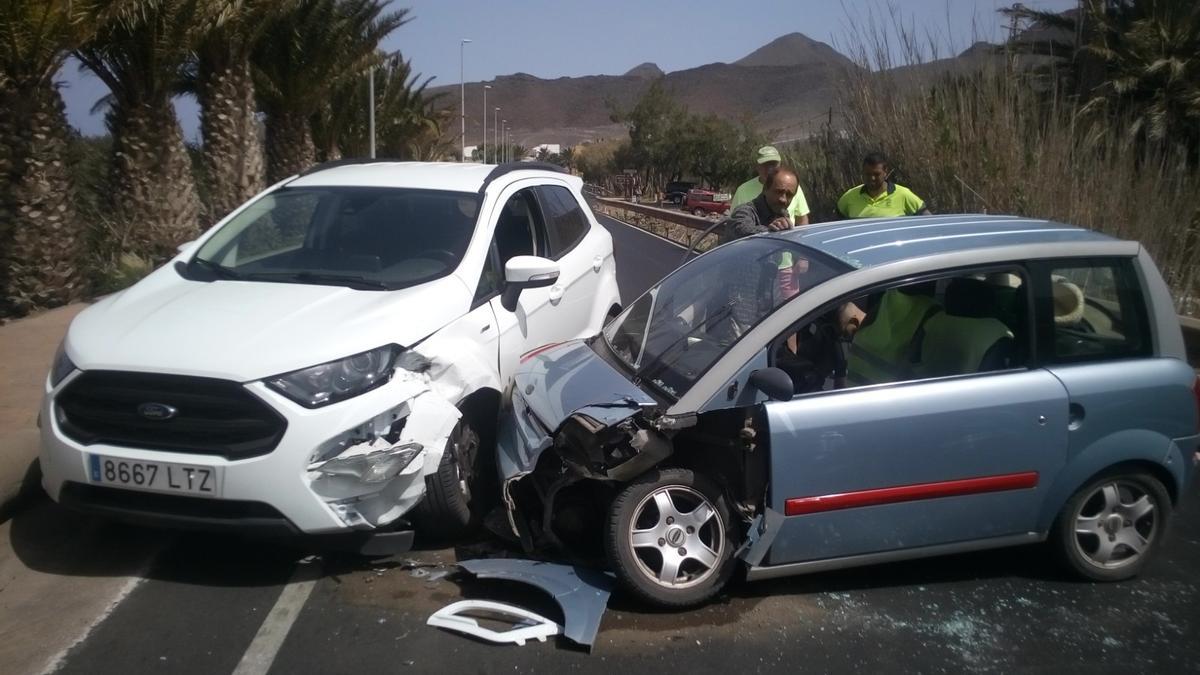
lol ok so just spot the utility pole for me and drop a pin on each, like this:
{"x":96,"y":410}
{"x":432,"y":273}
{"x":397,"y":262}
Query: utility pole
{"x":371,"y":108}
{"x":462,"y":102}
{"x":483,"y":122}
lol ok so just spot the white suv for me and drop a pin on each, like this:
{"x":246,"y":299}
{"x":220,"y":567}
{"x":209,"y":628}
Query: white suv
{"x":330,"y":355}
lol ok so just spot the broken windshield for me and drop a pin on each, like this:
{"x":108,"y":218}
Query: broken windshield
{"x":672,"y":334}
{"x":362,"y":238}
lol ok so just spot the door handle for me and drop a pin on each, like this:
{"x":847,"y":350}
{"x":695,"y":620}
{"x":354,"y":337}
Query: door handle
{"x":1075,"y":416}
{"x":597,"y":263}
{"x":556,"y":293}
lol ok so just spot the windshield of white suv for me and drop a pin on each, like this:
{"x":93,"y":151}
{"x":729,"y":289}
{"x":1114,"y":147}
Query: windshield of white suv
{"x":671,"y":335}
{"x":364,"y":238}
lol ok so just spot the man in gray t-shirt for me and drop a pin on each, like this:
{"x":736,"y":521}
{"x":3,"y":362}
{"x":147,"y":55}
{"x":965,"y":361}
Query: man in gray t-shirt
{"x":766,"y":212}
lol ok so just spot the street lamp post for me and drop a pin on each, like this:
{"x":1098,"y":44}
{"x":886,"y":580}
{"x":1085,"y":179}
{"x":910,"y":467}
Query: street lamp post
{"x":371,"y":101}
{"x":462,"y":101}
{"x":371,"y":108}
{"x":496,"y":133}
{"x":483,"y":121}
{"x":504,"y":139}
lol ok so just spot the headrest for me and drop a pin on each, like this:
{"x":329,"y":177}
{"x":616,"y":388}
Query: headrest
{"x":1068,"y":301}
{"x":971,"y":298}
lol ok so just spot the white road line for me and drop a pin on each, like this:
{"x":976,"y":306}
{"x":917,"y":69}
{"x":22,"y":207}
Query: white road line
{"x":274,"y":629}
{"x":646,"y":232}
{"x":61,"y":658}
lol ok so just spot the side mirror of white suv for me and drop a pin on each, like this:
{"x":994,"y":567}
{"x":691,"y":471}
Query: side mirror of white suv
{"x":526,"y":271}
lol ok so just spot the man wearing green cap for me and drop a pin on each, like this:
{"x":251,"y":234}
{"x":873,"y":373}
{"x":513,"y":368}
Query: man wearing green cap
{"x":767,"y":159}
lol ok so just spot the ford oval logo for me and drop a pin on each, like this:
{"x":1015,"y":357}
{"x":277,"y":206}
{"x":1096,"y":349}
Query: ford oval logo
{"x":157,"y":411}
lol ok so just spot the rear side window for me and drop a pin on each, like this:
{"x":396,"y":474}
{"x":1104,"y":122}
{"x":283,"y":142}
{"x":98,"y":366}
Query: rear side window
{"x":1093,"y":310}
{"x":565,"y":221}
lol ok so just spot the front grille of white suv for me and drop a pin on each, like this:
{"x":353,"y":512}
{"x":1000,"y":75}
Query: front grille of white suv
{"x":168,"y":412}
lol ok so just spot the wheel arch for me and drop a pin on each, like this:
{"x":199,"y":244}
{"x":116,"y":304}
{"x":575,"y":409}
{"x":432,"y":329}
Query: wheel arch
{"x":482,"y":408}
{"x":1137,"y":448}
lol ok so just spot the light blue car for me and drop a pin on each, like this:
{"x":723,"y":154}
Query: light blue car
{"x":862,"y":392}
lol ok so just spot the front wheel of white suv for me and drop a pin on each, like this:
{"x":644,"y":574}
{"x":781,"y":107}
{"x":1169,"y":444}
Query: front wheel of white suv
{"x":446,"y":511}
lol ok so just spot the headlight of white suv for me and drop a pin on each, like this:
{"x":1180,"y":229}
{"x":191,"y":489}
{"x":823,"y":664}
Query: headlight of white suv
{"x":62,"y":365}
{"x":338,"y":380}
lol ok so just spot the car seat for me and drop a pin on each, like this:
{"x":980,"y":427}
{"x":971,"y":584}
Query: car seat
{"x":513,"y":236}
{"x":967,"y":337}
{"x":887,"y":345}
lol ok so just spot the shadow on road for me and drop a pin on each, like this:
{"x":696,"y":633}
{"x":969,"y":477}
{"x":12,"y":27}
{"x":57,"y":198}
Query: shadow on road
{"x":49,"y":539}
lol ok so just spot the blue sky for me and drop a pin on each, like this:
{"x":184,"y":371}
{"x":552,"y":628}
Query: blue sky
{"x":549,"y":38}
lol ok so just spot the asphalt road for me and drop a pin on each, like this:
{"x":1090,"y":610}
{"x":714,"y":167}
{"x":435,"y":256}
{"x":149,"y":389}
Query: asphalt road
{"x":212,"y":604}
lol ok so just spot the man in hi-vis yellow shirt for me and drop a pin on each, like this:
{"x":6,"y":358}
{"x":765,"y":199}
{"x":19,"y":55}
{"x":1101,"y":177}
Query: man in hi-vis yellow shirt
{"x":878,"y":196}
{"x":767,"y":159}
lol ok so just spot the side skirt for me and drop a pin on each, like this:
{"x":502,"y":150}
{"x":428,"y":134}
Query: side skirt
{"x":809,"y":566}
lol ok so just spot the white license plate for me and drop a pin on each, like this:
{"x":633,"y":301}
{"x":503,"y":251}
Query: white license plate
{"x":157,"y":476}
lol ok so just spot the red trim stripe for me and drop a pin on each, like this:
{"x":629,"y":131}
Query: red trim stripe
{"x":534,"y":352}
{"x":799,"y":506}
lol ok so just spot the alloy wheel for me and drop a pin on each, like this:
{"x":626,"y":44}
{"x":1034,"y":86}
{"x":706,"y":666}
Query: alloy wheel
{"x":677,"y":537}
{"x":1116,"y":524}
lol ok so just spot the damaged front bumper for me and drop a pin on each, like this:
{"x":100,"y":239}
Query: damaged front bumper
{"x":553,"y":407}
{"x":355,"y":466}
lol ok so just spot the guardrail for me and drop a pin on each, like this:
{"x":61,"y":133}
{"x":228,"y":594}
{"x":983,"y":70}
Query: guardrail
{"x":1191,"y":327}
{"x":669,"y":215}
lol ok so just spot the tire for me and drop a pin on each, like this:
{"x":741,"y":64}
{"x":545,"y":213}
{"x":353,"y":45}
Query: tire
{"x":446,"y":511}
{"x":640,"y":567}
{"x":699,"y":212}
{"x":1110,"y":528}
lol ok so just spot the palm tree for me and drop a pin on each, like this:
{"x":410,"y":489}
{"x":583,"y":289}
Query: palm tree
{"x":432,"y":143}
{"x":232,"y":153}
{"x":403,"y":112}
{"x":566,"y":157}
{"x":1134,"y":63}
{"x":41,"y":236}
{"x":1151,"y":55}
{"x":304,"y":55}
{"x":140,"y":55}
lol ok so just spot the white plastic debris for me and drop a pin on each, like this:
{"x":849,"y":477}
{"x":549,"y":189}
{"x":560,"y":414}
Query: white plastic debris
{"x":462,"y":617}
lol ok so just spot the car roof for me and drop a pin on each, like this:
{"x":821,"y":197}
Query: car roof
{"x":877,"y":241}
{"x":451,"y":176}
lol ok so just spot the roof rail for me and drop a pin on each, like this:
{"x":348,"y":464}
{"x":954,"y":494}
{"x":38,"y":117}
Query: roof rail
{"x":509,"y":167}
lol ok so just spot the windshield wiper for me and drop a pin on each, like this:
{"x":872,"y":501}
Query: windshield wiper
{"x":348,"y":280}
{"x":216,"y":268}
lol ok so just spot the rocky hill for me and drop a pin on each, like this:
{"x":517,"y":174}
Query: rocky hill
{"x":787,"y":88}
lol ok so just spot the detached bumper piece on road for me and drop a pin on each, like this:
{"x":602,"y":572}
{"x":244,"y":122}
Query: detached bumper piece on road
{"x":581,"y":593}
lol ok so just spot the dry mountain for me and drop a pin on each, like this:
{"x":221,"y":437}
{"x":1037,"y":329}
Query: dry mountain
{"x":784,"y":86}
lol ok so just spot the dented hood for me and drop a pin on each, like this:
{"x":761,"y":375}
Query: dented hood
{"x":554,"y":385}
{"x":571,"y":377}
{"x":248,"y":330}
